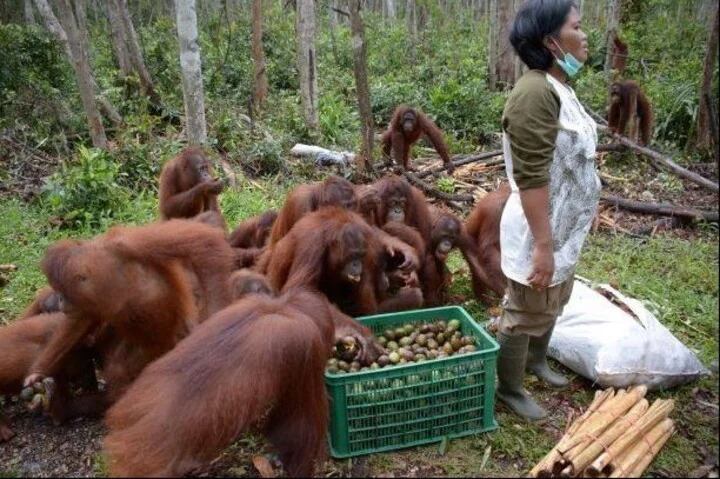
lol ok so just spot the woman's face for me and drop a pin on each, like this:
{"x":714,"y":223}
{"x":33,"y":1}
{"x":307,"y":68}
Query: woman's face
{"x":571,"y":38}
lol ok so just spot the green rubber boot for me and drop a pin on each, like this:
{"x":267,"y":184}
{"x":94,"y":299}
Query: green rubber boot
{"x":511,"y":372}
{"x":537,"y":362}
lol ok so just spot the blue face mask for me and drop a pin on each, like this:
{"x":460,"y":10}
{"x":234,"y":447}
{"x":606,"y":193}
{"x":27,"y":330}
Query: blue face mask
{"x":570,"y":65}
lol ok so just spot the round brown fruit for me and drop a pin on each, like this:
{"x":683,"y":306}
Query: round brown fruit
{"x":389,"y":334}
{"x":392,"y":346}
{"x":394,"y":357}
{"x":421,"y":340}
{"x":456,"y":343}
{"x":405,"y":341}
{"x":432,"y":344}
{"x":344,"y":365}
{"x":383,"y":360}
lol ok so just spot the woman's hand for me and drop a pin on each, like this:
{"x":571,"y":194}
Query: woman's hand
{"x":543,"y":266}
{"x":536,"y":205}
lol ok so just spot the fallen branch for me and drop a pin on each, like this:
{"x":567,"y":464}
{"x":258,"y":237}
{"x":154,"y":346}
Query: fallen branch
{"x":662,"y":160}
{"x":616,"y":147}
{"x":657,"y":158}
{"x":434,"y":192}
{"x":662,"y":209}
{"x":460,"y":161}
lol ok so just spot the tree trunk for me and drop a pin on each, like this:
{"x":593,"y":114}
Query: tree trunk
{"x":191,"y":67}
{"x":117,"y":34}
{"x":411,"y":22}
{"x":28,"y":12}
{"x":705,"y":125}
{"x":502,"y":69}
{"x":357,"y":29}
{"x":135,"y":53}
{"x":261,"y":82}
{"x":391,"y":9}
{"x":614,"y":9}
{"x":66,"y":31}
{"x":306,"y":60}
{"x":81,"y":18}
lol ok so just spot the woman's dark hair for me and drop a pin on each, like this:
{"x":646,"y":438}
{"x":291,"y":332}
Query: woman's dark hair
{"x":535,"y":20}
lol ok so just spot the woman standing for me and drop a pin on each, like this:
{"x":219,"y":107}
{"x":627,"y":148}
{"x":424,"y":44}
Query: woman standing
{"x":549,"y":147}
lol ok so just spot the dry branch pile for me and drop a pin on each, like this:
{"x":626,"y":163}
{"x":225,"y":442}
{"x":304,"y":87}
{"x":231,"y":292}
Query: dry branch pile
{"x":618,"y":436}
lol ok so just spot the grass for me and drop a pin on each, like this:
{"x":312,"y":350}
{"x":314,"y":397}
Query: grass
{"x":678,"y":277}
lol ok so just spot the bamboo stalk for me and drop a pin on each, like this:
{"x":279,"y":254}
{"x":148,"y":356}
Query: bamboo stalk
{"x":643,"y":464}
{"x":647,"y":446}
{"x":606,"y":415}
{"x":544,"y":467}
{"x":586,"y":456}
{"x":655,"y":414}
{"x":562,"y":463}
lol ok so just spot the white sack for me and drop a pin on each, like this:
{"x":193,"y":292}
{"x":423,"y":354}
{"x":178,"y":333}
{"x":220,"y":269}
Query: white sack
{"x":598,"y":340}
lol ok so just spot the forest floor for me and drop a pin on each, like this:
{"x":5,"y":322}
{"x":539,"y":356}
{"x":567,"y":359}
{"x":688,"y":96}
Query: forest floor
{"x":675,"y":269}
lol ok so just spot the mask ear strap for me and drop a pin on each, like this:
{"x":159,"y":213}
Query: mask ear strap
{"x":557,"y":45}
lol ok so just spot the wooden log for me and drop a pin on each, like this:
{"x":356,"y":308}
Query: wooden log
{"x":663,"y":209}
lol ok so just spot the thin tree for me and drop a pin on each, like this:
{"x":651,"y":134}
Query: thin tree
{"x":306,"y":62}
{"x":118,"y":40}
{"x":357,"y":29}
{"x":135,"y":53}
{"x":191,"y":67}
{"x":28,"y":12}
{"x":706,"y":134}
{"x":258,"y":54}
{"x":391,"y":9}
{"x":502,"y":67}
{"x":411,"y":22}
{"x":65,"y":29}
{"x":614,"y":10}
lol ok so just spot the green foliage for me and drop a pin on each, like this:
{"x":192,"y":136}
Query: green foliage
{"x":339,"y":120}
{"x":35,"y":85}
{"x":446,"y":184}
{"x":667,"y":45}
{"x":86,"y":192}
{"x":264,"y":157}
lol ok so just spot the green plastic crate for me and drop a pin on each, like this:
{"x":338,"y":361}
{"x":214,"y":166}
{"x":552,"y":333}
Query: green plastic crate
{"x":417,"y":403}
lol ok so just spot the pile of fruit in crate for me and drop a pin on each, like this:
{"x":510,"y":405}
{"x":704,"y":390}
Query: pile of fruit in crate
{"x":409,"y":343}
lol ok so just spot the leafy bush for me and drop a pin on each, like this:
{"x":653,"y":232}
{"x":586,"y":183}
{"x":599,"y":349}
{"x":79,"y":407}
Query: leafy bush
{"x":339,"y":120}
{"x":264,"y":157}
{"x":86,"y":192}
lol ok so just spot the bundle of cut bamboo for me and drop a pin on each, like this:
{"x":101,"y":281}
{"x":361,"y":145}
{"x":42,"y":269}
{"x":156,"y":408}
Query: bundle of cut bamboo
{"x":618,"y":436}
